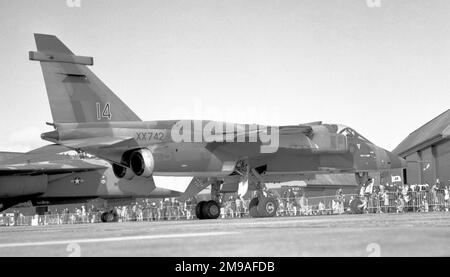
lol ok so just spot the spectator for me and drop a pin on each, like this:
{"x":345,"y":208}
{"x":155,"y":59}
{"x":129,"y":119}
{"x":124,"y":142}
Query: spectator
{"x":435,"y":202}
{"x":77,"y":215}
{"x":124,"y":213}
{"x":426,"y":203}
{"x":233,"y":206}
{"x":145,"y":210}
{"x":153,"y":211}
{"x":321,"y":208}
{"x":375,"y":200}
{"x":239,"y":207}
{"x":160,"y":210}
{"x":6,"y":219}
{"x":446,"y":198}
{"x":16,"y":217}
{"x":384,"y":198}
{"x":340,"y":200}
{"x":291,"y":201}
{"x":187,"y":207}
{"x":245,"y":203}
{"x":227,"y":205}
{"x":165,"y":209}
{"x":405,"y":196}
{"x":176,"y":209}
{"x":400,"y":204}
{"x":83,"y":214}
{"x":304,"y":207}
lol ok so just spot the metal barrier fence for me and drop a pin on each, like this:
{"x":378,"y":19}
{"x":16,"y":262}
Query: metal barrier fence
{"x":381,"y":202}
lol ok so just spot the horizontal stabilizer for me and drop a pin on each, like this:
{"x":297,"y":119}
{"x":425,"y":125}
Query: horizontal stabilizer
{"x":97,"y":142}
{"x":64,"y":58}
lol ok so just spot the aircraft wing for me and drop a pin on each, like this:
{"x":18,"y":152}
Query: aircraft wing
{"x":296,"y":129}
{"x":257,"y":131}
{"x":43,"y":161}
{"x":46,"y":167}
{"x":292,"y":136}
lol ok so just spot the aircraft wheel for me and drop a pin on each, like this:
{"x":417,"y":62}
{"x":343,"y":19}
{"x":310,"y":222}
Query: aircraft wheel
{"x":355,"y":206}
{"x":105,"y":217}
{"x":267,"y":207}
{"x":115,"y":216}
{"x":199,"y":210}
{"x":111,"y":216}
{"x":211,"y":210}
{"x":253,"y":207}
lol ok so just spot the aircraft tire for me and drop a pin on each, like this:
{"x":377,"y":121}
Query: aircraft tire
{"x":199,"y":210}
{"x":253,"y":207}
{"x":267,"y":207}
{"x":211,"y":210}
{"x":354,"y":206}
{"x":115,"y":216}
{"x":109,"y":217}
{"x":102,"y":217}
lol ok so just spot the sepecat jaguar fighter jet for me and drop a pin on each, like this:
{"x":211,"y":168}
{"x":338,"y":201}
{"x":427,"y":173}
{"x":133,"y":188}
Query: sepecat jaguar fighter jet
{"x":190,"y":155}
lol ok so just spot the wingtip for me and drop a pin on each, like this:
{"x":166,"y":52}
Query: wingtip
{"x":36,"y":35}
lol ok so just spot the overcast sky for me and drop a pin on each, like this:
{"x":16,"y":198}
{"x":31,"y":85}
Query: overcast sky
{"x":382,"y":70}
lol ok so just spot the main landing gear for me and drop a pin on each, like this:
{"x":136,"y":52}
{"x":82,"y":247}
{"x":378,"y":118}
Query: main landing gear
{"x":110,"y":216}
{"x":207,"y":210}
{"x":210,"y":209}
{"x":263,"y":205}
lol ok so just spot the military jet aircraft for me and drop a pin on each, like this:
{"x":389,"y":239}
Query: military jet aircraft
{"x":51,"y":175}
{"x":194,"y":154}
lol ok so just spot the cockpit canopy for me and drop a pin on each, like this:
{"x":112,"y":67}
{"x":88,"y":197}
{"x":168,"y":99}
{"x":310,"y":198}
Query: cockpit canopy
{"x":346,"y":131}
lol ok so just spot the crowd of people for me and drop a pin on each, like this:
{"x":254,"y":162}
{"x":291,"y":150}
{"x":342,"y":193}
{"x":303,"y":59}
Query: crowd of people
{"x":404,"y":198}
{"x":369,"y":199}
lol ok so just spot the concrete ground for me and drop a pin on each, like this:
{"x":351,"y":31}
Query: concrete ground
{"x":410,"y":234}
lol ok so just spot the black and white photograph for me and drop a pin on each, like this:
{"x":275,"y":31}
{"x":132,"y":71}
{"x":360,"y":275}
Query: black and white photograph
{"x":242,"y":131}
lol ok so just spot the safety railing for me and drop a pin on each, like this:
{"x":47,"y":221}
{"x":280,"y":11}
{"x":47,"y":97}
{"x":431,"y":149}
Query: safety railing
{"x":379,"y":202}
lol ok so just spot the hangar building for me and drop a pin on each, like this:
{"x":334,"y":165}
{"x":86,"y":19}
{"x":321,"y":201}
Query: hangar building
{"x":427,"y":152}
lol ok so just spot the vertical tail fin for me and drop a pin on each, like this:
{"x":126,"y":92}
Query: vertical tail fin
{"x":75,"y":94}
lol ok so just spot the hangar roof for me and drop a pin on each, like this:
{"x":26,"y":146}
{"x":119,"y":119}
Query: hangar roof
{"x":433,"y":131}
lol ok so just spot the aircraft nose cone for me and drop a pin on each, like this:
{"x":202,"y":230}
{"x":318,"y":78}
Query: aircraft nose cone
{"x":396,"y":161}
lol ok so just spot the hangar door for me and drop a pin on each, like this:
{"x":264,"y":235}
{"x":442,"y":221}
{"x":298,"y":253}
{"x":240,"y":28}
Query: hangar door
{"x":443,"y":162}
